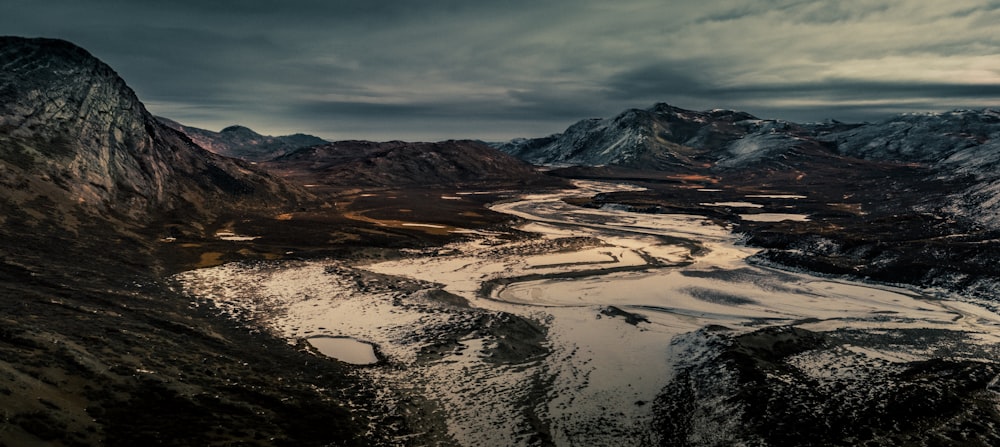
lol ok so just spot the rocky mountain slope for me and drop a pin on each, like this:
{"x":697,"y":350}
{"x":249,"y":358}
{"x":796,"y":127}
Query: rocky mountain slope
{"x":76,"y":142}
{"x":95,"y":349}
{"x":243,"y":143}
{"x":961,"y":146}
{"x":664,"y":137}
{"x":400,"y":164}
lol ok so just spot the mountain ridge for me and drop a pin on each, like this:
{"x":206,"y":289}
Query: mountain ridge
{"x":716,"y":133}
{"x":661,"y":137}
{"x":237,"y":141}
{"x":358,"y":163}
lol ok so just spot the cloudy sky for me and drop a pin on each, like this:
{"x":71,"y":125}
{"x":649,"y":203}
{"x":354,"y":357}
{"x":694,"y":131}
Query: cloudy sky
{"x":432,"y":70}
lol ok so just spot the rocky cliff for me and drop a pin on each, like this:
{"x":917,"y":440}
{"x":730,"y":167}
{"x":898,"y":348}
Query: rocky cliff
{"x":76,"y":143}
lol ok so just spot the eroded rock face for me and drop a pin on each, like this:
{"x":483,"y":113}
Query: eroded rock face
{"x":73,"y":134}
{"x":67,"y":114}
{"x":94,"y":348}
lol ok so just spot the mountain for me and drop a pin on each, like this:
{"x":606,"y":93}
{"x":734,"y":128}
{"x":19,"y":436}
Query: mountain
{"x":76,"y":143}
{"x":243,"y":143}
{"x":921,"y":137}
{"x":96,"y":348}
{"x":961,"y":146}
{"x":402,"y":164}
{"x":663,"y":137}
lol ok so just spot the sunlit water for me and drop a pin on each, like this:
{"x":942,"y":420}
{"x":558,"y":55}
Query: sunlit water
{"x":347,"y":350}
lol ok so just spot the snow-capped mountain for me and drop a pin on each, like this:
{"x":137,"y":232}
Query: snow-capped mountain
{"x":960,"y":147}
{"x":664,"y":137}
{"x":659,"y":137}
{"x":919,"y":137}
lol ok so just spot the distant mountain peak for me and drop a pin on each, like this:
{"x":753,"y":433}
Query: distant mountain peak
{"x":662,"y":136}
{"x":241,"y":142}
{"x":236,"y":128}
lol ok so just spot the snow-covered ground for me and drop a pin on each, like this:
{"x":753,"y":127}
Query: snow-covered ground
{"x":614,"y":290}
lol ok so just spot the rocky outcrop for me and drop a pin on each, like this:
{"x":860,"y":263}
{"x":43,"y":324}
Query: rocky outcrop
{"x":74,"y":138}
{"x":243,"y":143}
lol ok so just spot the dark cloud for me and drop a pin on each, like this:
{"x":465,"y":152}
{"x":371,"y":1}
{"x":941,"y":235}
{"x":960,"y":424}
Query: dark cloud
{"x":853,"y":90}
{"x":665,"y":80}
{"x":493,"y":70}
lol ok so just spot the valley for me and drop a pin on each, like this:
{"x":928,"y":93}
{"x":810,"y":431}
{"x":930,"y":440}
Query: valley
{"x":661,"y":277}
{"x":615,"y":304}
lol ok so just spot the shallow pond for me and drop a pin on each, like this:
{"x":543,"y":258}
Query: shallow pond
{"x":774,"y":217}
{"x":347,"y":350}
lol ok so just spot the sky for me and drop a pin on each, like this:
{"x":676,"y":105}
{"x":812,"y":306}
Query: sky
{"x":442,"y":69}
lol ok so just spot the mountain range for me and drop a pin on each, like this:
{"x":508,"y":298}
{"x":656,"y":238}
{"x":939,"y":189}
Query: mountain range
{"x":100,"y":201}
{"x":243,"y":143}
{"x":959,"y":146}
{"x":400,"y":164}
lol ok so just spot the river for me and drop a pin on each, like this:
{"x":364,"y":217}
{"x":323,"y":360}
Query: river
{"x":613,"y":291}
